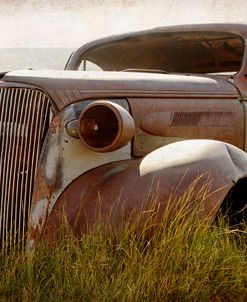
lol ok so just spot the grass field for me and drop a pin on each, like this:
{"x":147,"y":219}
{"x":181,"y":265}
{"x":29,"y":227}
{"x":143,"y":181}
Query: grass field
{"x":184,"y":260}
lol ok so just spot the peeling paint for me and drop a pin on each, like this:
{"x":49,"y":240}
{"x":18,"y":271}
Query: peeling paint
{"x":52,"y":162}
{"x":63,"y":159}
{"x":38,"y":213}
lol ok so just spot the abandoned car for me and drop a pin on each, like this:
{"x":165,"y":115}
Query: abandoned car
{"x":160,"y":109}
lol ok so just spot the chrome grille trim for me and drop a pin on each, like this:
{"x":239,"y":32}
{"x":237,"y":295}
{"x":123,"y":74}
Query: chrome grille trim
{"x":24,"y":118}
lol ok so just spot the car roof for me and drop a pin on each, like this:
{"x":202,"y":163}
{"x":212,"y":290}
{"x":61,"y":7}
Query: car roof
{"x":233,"y":28}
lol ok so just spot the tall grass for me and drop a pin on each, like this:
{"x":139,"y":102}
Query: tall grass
{"x":186,"y":259}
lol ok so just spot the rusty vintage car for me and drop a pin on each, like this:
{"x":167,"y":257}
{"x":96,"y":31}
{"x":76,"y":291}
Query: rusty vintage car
{"x":167,"y":106}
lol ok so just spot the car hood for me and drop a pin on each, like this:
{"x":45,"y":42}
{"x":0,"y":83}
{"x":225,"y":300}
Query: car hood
{"x":65,"y":87}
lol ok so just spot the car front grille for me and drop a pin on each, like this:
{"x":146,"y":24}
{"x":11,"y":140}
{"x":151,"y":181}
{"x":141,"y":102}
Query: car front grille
{"x":24,"y":118}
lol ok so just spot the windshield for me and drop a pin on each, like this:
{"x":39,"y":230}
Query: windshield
{"x":187,"y":52}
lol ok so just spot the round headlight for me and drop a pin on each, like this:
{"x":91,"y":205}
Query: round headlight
{"x":105,"y":126}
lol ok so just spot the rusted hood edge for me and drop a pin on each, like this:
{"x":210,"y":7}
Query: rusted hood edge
{"x":66,"y":87}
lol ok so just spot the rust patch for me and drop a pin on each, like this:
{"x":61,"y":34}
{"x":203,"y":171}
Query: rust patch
{"x":44,"y":187}
{"x":55,"y":124}
{"x":157,"y":180}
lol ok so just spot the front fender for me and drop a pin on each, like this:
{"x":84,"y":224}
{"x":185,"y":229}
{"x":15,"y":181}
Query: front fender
{"x":63,"y":159}
{"x":117,"y":189}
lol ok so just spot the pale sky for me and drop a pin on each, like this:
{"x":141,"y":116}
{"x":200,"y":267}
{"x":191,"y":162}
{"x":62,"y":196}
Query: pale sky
{"x":68,"y":23}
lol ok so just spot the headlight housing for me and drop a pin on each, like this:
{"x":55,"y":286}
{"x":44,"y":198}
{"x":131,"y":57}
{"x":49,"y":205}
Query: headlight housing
{"x":105,"y":126}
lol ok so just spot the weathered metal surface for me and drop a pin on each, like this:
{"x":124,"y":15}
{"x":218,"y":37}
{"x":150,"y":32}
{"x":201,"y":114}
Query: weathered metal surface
{"x":24,"y":117}
{"x":95,"y":50}
{"x":66,"y":87}
{"x":103,"y":50}
{"x":62,"y":160}
{"x":117,"y":190}
{"x":186,"y":118}
{"x":164,"y":107}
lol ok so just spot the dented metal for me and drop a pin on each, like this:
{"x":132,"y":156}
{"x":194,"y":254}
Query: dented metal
{"x":161,"y":132}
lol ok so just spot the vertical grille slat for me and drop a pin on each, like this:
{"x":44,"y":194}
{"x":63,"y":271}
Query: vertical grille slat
{"x":5,"y":179}
{"x":14,"y":171}
{"x":21,"y":134}
{"x":10,"y":163}
{"x":25,"y":166}
{"x":24,"y":118}
{"x":2,"y":123}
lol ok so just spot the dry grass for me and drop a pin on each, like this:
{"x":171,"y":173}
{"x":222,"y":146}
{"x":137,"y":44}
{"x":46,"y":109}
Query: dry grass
{"x":186,"y":259}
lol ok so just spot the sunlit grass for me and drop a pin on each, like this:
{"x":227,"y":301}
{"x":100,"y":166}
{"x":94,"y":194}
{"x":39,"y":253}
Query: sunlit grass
{"x":180,"y":259}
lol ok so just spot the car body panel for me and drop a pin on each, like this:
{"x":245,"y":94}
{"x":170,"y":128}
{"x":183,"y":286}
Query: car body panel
{"x":202,"y":115}
{"x":65,"y":87}
{"x":83,"y":51}
{"x":115,"y":191}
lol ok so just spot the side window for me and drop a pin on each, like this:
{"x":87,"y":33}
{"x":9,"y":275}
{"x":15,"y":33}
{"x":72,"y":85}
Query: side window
{"x":89,"y":66}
